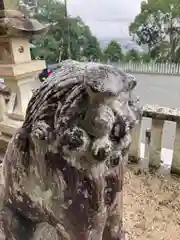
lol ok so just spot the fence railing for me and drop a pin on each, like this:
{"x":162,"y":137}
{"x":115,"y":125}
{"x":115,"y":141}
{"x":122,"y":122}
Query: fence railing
{"x":151,"y":68}
{"x":153,"y":138}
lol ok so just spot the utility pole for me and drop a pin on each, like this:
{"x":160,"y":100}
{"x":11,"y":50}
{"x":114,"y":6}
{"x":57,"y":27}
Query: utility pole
{"x":68,"y":31}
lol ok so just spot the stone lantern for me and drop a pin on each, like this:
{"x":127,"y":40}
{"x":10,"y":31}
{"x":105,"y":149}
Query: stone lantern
{"x":16,"y":67}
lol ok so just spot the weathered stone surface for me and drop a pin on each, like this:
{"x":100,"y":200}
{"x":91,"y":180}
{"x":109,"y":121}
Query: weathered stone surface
{"x":15,"y":23}
{"x":161,"y":113}
{"x":4,"y":90}
{"x":63,"y":169}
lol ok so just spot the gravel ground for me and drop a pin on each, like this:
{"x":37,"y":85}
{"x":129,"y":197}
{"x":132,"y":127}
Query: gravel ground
{"x":151,"y":205}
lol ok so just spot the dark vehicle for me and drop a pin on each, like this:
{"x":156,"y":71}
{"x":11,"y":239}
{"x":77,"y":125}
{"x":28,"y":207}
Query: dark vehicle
{"x":44,"y":74}
{"x":47,"y":72}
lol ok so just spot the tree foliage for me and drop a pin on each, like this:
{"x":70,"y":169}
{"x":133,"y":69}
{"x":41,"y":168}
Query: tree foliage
{"x":113,"y":52}
{"x":66,"y":36}
{"x":92,"y":50}
{"x":133,"y":55}
{"x":157,"y":25}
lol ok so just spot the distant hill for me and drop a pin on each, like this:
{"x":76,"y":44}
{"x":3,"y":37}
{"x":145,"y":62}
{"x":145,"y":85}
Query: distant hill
{"x":126,"y":44}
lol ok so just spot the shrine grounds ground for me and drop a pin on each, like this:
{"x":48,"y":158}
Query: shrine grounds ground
{"x":151,"y":205}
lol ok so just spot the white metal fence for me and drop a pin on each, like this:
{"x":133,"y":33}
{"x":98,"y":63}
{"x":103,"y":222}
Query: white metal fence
{"x":154,"y":68}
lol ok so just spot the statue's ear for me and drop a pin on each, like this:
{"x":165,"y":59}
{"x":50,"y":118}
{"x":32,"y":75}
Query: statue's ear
{"x":94,"y":74}
{"x":93,"y":80}
{"x":131,"y":81}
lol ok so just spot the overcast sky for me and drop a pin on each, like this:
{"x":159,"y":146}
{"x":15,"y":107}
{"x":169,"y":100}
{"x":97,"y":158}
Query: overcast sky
{"x":106,"y":18}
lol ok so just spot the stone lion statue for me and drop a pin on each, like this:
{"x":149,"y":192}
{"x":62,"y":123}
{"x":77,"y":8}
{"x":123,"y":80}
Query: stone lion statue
{"x":63,"y":169}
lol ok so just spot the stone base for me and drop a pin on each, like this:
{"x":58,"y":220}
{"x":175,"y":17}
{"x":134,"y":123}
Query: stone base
{"x":4,"y":140}
{"x":21,"y":79}
{"x":10,"y":126}
{"x":18,"y":71}
{"x":8,"y":129}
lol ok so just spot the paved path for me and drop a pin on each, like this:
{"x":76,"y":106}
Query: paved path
{"x":163,"y":90}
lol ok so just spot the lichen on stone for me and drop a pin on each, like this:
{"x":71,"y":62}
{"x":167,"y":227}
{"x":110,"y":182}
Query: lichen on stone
{"x":64,"y":166}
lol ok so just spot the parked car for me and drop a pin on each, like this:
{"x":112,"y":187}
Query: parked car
{"x":44,"y":74}
{"x":47,"y":72}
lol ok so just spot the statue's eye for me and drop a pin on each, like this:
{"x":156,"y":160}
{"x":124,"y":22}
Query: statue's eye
{"x":94,"y":89}
{"x":118,"y":130}
{"x":110,"y":94}
{"x":130,"y":103}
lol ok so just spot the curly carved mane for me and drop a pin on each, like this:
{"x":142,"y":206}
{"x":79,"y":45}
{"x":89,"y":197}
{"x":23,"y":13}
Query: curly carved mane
{"x":63,"y":89}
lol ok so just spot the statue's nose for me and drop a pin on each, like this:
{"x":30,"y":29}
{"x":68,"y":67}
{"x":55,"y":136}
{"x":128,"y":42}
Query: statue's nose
{"x":99,"y":120}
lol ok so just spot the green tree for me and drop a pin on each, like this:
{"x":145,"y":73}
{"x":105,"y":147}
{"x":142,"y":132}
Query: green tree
{"x":66,"y":36}
{"x":177,"y":55}
{"x":132,"y":55}
{"x":145,"y":57}
{"x":92,"y":50}
{"x":156,"y":23}
{"x":113,"y":52}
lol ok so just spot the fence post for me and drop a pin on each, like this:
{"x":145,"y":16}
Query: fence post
{"x":2,"y":107}
{"x":134,"y":152}
{"x":175,"y":167}
{"x":156,"y":142}
{"x":144,"y":163}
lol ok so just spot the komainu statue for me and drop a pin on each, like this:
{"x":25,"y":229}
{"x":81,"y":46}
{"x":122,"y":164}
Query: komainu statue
{"x":63,"y":169}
